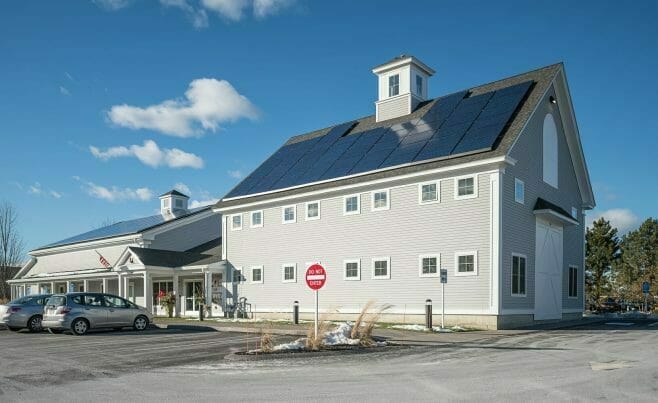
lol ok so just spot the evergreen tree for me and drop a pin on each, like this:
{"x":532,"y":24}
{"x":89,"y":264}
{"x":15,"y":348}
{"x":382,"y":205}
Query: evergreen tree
{"x":601,"y":250}
{"x":639,"y":261}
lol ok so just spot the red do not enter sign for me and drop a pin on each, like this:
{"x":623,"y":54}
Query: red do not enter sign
{"x":316,"y":276}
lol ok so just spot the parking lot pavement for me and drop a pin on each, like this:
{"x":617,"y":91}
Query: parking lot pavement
{"x":42,"y":360}
{"x":606,"y":361}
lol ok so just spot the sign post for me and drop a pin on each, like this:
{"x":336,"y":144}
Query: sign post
{"x":316,"y":276}
{"x":444,"y":280}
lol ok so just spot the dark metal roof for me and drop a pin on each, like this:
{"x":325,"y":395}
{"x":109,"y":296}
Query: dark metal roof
{"x":542,"y":204}
{"x":175,"y":193}
{"x":541,"y":78}
{"x":122,"y":228}
{"x":167,"y":258}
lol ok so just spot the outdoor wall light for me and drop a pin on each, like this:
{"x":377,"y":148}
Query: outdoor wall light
{"x":552,"y":99}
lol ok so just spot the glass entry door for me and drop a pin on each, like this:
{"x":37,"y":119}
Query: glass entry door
{"x":193,"y":292}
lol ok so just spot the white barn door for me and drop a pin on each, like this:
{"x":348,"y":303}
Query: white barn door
{"x":548,"y":271}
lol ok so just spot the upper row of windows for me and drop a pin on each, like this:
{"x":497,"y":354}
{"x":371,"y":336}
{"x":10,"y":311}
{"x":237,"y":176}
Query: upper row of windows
{"x":429,"y":192}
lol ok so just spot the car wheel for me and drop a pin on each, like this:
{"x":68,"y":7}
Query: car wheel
{"x":141,"y":323}
{"x":80,"y":327}
{"x":34,"y":324}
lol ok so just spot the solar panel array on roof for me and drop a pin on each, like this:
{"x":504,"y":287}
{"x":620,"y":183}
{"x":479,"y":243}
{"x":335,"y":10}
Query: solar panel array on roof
{"x":454,"y":124}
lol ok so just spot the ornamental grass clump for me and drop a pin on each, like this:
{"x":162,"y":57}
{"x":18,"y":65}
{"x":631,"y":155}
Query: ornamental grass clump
{"x":366,"y":322}
{"x":313,"y":343}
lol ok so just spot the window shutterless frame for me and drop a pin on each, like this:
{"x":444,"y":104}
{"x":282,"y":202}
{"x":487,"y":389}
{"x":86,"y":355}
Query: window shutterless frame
{"x":354,"y":268}
{"x":306,"y":210}
{"x":236,"y":222}
{"x":289,"y":214}
{"x":422,"y":260}
{"x":377,"y":267}
{"x":254,"y":276}
{"x":349,"y":206}
{"x":251,"y":219}
{"x":475,"y":263}
{"x":463,"y":180}
{"x":380,"y":200}
{"x":426,"y":196}
{"x":520,"y":292}
{"x":288,"y":269}
{"x":519,"y":191}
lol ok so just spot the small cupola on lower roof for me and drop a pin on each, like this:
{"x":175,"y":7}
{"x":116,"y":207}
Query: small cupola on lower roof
{"x":173,"y":204}
{"x":402,"y":86}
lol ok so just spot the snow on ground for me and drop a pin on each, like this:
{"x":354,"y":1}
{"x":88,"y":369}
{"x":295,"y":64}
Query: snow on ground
{"x":340,"y":336}
{"x":296,"y":345}
{"x":421,"y":328}
{"x":240,"y":320}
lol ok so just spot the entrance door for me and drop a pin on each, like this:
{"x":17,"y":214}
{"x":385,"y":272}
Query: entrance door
{"x":548,"y":271}
{"x":193,"y":290}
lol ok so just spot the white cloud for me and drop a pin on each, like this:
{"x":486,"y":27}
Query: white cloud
{"x":181,"y":187}
{"x":197,"y":16}
{"x":56,"y":195}
{"x":151,"y":155}
{"x":235,"y":174}
{"x":64,"y":91}
{"x":114,"y":194}
{"x":70,"y":77}
{"x":35,"y":189}
{"x":231,"y":9}
{"x":202,"y":203}
{"x":38,"y":190}
{"x":623,"y":219}
{"x":112,"y":5}
{"x":265,"y":8}
{"x":208,"y":103}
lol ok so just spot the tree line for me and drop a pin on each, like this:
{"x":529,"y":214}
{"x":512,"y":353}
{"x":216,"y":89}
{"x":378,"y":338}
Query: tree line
{"x":616,"y":266}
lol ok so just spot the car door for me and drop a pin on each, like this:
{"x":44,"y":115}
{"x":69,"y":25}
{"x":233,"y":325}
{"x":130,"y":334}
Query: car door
{"x":119,"y":312}
{"x":95,"y":310}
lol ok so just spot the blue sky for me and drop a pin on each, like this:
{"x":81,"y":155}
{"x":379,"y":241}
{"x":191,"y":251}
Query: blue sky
{"x":107,"y":104}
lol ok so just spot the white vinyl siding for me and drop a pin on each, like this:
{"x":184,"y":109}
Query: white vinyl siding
{"x":352,"y":269}
{"x":429,"y":265}
{"x":352,"y":204}
{"x":289,"y":214}
{"x":550,"y":151}
{"x":519,"y":275}
{"x":256,"y":219}
{"x":466,"y":263}
{"x":381,"y":268}
{"x":380,"y":200}
{"x":289,"y":273}
{"x":312,"y":211}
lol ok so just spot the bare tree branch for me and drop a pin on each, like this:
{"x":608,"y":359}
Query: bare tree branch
{"x":12,"y":247}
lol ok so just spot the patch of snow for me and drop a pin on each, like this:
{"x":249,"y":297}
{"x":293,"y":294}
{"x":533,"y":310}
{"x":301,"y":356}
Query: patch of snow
{"x":422,"y":328}
{"x":620,"y":323}
{"x":296,"y":345}
{"x":340,"y":336}
{"x":416,"y":328}
{"x":240,"y":320}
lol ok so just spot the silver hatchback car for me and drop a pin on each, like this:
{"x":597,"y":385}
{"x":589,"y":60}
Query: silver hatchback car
{"x":24,"y":312}
{"x":81,"y":311}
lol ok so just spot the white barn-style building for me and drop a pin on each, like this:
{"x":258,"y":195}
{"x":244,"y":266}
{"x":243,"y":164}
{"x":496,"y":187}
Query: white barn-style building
{"x":489,"y":183}
{"x":178,"y":250}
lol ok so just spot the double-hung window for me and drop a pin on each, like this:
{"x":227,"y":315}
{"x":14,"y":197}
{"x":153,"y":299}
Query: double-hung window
{"x":380,"y":200}
{"x":466,"y":264}
{"x":519,"y":191}
{"x":518,"y":275}
{"x":429,"y":265}
{"x":236,"y":222}
{"x":352,"y":269}
{"x":428,"y":192}
{"x":419,"y":86}
{"x":465,"y":187}
{"x":351,"y":205}
{"x":312,"y":211}
{"x":393,"y":85}
{"x":289,"y":214}
{"x":289,"y":272}
{"x":381,"y":268}
{"x":573,"y":282}
{"x":257,"y":219}
{"x":256,"y":274}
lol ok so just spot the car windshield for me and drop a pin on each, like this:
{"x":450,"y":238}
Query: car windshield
{"x":57,"y":300}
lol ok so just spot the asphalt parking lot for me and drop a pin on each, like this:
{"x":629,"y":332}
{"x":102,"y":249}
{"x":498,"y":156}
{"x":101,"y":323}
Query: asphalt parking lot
{"x":42,"y":360}
{"x":611,"y":360}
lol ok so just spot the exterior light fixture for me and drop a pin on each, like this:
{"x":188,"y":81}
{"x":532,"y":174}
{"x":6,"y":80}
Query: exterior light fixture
{"x":552,"y":100}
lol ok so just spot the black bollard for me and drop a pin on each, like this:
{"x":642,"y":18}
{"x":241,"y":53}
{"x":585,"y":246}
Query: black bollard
{"x":295,"y":313}
{"x":428,"y":313}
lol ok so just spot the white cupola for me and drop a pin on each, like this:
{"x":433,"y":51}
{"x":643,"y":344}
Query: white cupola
{"x":402,"y":86}
{"x":173,"y":204}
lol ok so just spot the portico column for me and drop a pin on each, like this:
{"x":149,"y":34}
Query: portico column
{"x":177,"y":298}
{"x":52,"y":287}
{"x":208,"y":284}
{"x":85,"y":285}
{"x":68,"y":286}
{"x":104,"y":285}
{"x":148,"y":298}
{"x":125,"y":287}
